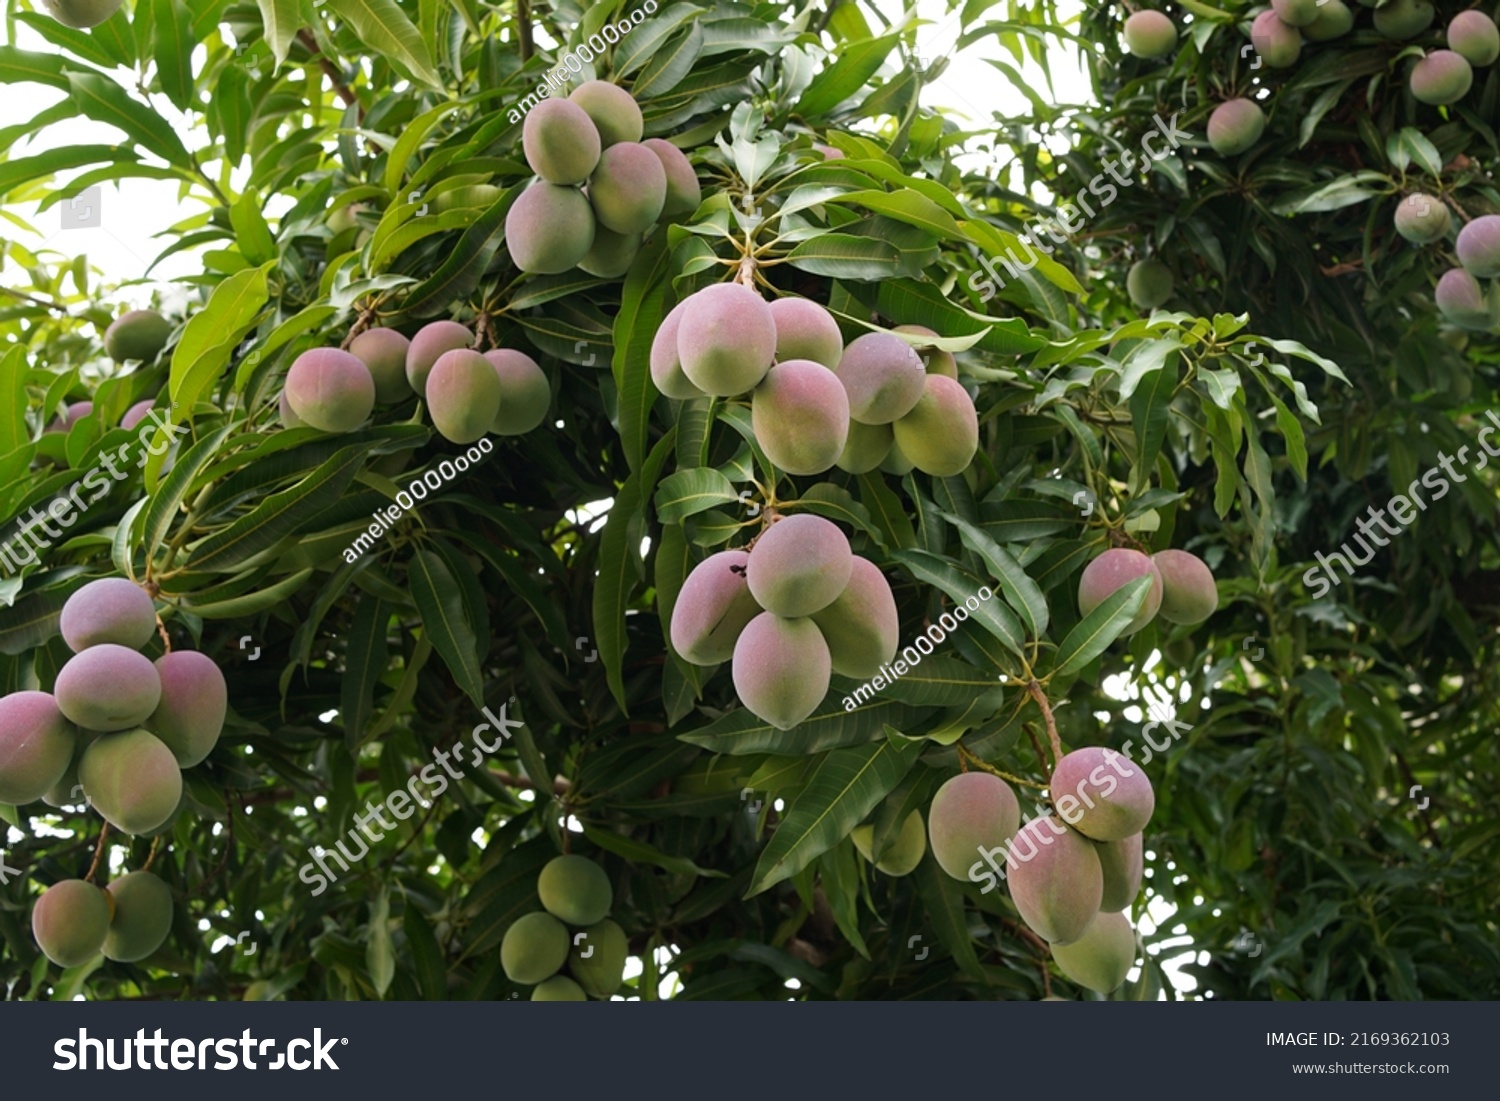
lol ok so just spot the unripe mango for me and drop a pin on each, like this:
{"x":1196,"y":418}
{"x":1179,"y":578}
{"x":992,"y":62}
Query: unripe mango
{"x":132,"y":779}
{"x":970,"y":812}
{"x":862,"y":625}
{"x":805,"y":330}
{"x":559,"y":988}
{"x":712,"y":609}
{"x":574,"y":889}
{"x":70,"y":922}
{"x":194,"y":701}
{"x":781,"y":669}
{"x":800,"y":416}
{"x":883,"y":376}
{"x":1055,"y":879}
{"x":1123,"y":865}
{"x":628,"y":188}
{"x":1278,"y":43}
{"x":1422,"y":219}
{"x":1474,"y":36}
{"x":561,"y":142}
{"x":1149,"y":283}
{"x":1188,"y":593}
{"x":463,"y":395}
{"x":534,"y":948}
{"x":1108,"y":572}
{"x":548,"y":229}
{"x":112,"y":609}
{"x":614,"y":111}
{"x":36,"y":746}
{"x":1101,"y":958}
{"x":1478,"y":246}
{"x":726,"y":339}
{"x":431,"y":341}
{"x":1402,"y":19}
{"x":597,"y":961}
{"x":941,"y":433}
{"x":799,"y":565}
{"x":1235,"y":126}
{"x":1334,"y":20}
{"x":1462,"y":301}
{"x":684,"y":193}
{"x":525,"y":394}
{"x":866,"y":447}
{"x":138,"y":334}
{"x":1440,"y":78}
{"x":1150,"y":34}
{"x":936,"y":360}
{"x":1102,"y":794}
{"x":384,"y":352}
{"x":142,"y":917}
{"x":904,"y":853}
{"x":330,"y":390}
{"x":1295,"y":13}
{"x":107,"y":687}
{"x":666,"y":365}
{"x":611,"y":254}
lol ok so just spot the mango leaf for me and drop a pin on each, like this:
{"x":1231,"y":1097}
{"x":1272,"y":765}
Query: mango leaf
{"x":210,"y":337}
{"x":281,"y":19}
{"x":174,"y":50}
{"x":639,"y":852}
{"x":103,"y":100}
{"x":384,"y":27}
{"x":960,"y":585}
{"x":365,"y":661}
{"x":446,"y":619}
{"x":938,"y":681}
{"x":688,"y":492}
{"x":380,"y":958}
{"x":1093,"y":634}
{"x":856,"y":64}
{"x":1022,"y":593}
{"x":846,"y":786}
{"x":835,"y":723}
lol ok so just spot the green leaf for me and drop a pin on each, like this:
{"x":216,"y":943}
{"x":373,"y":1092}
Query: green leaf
{"x":103,"y":100}
{"x":427,"y":956}
{"x":281,"y":19}
{"x":960,"y":585}
{"x":670,"y":64}
{"x":174,"y":50}
{"x":1101,"y":627}
{"x":365,"y":660}
{"x":1149,"y":411}
{"x":943,"y":901}
{"x":413,"y":134}
{"x":14,"y":173}
{"x":379,"y":957}
{"x":618,"y":563}
{"x":644,"y":41}
{"x":460,"y":272}
{"x":856,"y":64}
{"x":446,"y":621}
{"x":939,"y":681}
{"x":248,"y":604}
{"x":210,"y":337}
{"x":1021,"y":592}
{"x":908,"y":206}
{"x":642,"y":304}
{"x":13,"y":429}
{"x":832,"y":725}
{"x":845,"y":788}
{"x":845,"y":256}
{"x":639,"y":852}
{"x":250,"y":229}
{"x":279,"y":515}
{"x":688,"y":492}
{"x":384,"y":27}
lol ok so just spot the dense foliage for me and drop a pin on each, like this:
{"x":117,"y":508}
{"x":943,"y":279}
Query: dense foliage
{"x":1298,"y":374}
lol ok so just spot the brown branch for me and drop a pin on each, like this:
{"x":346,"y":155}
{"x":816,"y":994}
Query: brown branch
{"x":1041,"y":754}
{"x":151,"y":857}
{"x":330,"y":70}
{"x":1040,"y":697}
{"x":98,"y":852}
{"x":46,"y":303}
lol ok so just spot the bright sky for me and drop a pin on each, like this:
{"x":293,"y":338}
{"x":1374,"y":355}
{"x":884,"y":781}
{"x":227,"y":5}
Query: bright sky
{"x":135,"y":211}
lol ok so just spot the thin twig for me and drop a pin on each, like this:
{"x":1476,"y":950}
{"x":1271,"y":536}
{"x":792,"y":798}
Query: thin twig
{"x":968,"y":758}
{"x":1041,"y":701}
{"x":47,"y":303}
{"x":98,"y":852}
{"x":151,"y":857}
{"x":330,"y":70}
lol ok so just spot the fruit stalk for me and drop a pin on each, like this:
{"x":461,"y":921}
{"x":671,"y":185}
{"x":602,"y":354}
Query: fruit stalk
{"x":1035,"y":690}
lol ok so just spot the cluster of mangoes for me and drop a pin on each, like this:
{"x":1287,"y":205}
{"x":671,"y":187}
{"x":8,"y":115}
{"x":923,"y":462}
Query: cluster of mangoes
{"x":1070,"y":880}
{"x":796,"y":607}
{"x":816,"y":403}
{"x":1182,"y":591}
{"x":592,"y":140}
{"x":574,"y":892}
{"x":1440,"y":77}
{"x":117,"y":726}
{"x":74,"y":920}
{"x":1460,"y":296}
{"x":468,"y":393}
